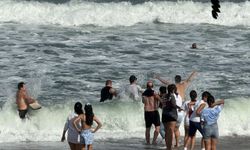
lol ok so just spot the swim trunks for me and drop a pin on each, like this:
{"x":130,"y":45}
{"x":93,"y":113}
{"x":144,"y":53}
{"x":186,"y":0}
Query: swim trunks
{"x":87,"y":137}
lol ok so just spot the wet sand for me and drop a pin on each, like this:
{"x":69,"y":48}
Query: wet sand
{"x":225,"y":143}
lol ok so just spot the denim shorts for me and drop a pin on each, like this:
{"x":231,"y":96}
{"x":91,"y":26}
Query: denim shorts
{"x":211,"y":131}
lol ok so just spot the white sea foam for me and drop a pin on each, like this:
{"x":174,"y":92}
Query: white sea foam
{"x":123,"y":13}
{"x":120,"y":120}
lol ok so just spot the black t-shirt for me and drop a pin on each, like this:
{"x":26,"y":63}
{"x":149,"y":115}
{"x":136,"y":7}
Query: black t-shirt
{"x":105,"y":94}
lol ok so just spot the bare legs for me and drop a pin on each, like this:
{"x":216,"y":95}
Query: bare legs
{"x":210,"y":144}
{"x":156,"y":133}
{"x":169,"y":129}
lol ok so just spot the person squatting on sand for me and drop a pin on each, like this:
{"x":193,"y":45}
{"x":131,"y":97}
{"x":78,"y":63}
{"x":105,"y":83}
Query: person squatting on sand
{"x":107,"y":92}
{"x":209,"y":117}
{"x":85,"y":131}
{"x":73,"y":135}
{"x":151,"y":115}
{"x":23,"y":100}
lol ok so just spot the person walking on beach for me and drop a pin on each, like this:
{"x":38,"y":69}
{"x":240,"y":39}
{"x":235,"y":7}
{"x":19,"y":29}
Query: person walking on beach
{"x":86,"y":131}
{"x":73,"y":135}
{"x":209,"y":117}
{"x":181,"y":85}
{"x":169,"y":115}
{"x":194,"y":121}
{"x":23,"y":100}
{"x":151,"y":115}
{"x":107,"y":92}
{"x":188,"y":108}
{"x":133,"y":89}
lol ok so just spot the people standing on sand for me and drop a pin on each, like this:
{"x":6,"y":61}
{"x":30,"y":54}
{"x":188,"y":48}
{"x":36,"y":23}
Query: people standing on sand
{"x":133,"y":89}
{"x":209,"y":117}
{"x":169,"y":115}
{"x":188,"y":108}
{"x":73,"y":135}
{"x":151,"y":115}
{"x":107,"y":92}
{"x":86,"y":131}
{"x":23,"y":100}
{"x":194,"y":121}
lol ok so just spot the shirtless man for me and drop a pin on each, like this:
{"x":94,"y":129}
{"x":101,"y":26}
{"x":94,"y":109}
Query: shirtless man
{"x":181,"y":85}
{"x":23,"y":100}
{"x":151,"y":115}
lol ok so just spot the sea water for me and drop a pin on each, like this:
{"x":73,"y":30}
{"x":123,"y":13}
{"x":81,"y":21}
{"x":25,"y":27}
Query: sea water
{"x":65,"y":51}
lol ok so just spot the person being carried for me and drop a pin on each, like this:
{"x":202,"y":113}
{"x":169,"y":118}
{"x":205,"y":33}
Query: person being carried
{"x":151,"y":103}
{"x":74,"y":142}
{"x":181,"y":85}
{"x":107,"y":92}
{"x":86,"y":131}
{"x":133,"y":89}
{"x":23,"y":100}
{"x":209,"y":117}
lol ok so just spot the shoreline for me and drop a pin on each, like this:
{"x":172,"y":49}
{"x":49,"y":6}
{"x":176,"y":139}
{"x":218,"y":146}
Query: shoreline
{"x":225,"y":143}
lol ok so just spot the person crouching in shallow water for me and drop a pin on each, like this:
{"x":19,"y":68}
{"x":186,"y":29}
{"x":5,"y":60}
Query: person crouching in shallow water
{"x":86,"y":131}
{"x":169,"y":115}
{"x":107,"y":92}
{"x":73,"y":140}
{"x":151,"y":115}
{"x":23,"y":100}
{"x":209,"y":117}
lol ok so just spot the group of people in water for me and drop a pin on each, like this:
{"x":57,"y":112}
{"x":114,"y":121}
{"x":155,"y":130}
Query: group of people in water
{"x":201,"y":115}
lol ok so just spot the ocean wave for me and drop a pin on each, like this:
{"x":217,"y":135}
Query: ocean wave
{"x":122,"y":13}
{"x":121,"y":119}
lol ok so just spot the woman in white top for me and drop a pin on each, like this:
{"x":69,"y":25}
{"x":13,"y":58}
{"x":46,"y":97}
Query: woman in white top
{"x":73,"y":135}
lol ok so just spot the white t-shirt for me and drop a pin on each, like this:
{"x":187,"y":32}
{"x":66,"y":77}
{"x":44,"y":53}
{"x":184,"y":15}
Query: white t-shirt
{"x":178,"y":100}
{"x":194,"y":116}
{"x":186,"y":110}
{"x":133,"y":91}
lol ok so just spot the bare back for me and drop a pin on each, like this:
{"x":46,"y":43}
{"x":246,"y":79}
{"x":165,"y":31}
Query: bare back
{"x":181,"y":89}
{"x":150,"y":103}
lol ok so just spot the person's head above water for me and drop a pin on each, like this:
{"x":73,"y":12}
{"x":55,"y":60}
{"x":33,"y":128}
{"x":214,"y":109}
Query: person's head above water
{"x":108,"y":83}
{"x":20,"y":85}
{"x":194,"y":46}
{"x":132,"y":79}
{"x":150,"y":84}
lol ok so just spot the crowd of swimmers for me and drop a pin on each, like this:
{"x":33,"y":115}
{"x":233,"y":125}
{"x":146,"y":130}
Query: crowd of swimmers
{"x":201,"y":115}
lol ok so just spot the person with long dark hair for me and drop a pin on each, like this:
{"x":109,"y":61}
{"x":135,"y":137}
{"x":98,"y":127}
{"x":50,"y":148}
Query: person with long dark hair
{"x":169,"y":115}
{"x":86,"y":131}
{"x":73,"y":135}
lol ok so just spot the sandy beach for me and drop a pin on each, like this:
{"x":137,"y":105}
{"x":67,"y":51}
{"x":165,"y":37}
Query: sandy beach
{"x":225,"y":143}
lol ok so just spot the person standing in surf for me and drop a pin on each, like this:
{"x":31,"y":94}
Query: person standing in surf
{"x":133,"y":89}
{"x":86,"y":131}
{"x":107,"y":92}
{"x":151,"y":103}
{"x":209,"y":117}
{"x":73,"y":135}
{"x":23,"y":100}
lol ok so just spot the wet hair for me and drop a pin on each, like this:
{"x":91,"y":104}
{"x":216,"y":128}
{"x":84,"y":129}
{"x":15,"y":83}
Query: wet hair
{"x":163,"y":89}
{"x":205,"y":94}
{"x":108,"y":82}
{"x":132,"y":78}
{"x":177,"y":79}
{"x":150,"y":84}
{"x":89,"y":114}
{"x":171,"y":89}
{"x":193,"y":95}
{"x":20,"y":85}
{"x":78,"y":108}
{"x":210,"y":100}
{"x":194,"y":46}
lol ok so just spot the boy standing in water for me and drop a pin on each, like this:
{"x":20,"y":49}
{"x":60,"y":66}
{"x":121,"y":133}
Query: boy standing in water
{"x":133,"y":89}
{"x":23,"y":100}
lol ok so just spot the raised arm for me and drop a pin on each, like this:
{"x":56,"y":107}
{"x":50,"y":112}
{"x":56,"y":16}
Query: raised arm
{"x":99,"y":124}
{"x":190,"y":78}
{"x":156,"y":76}
{"x":218,"y":102}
